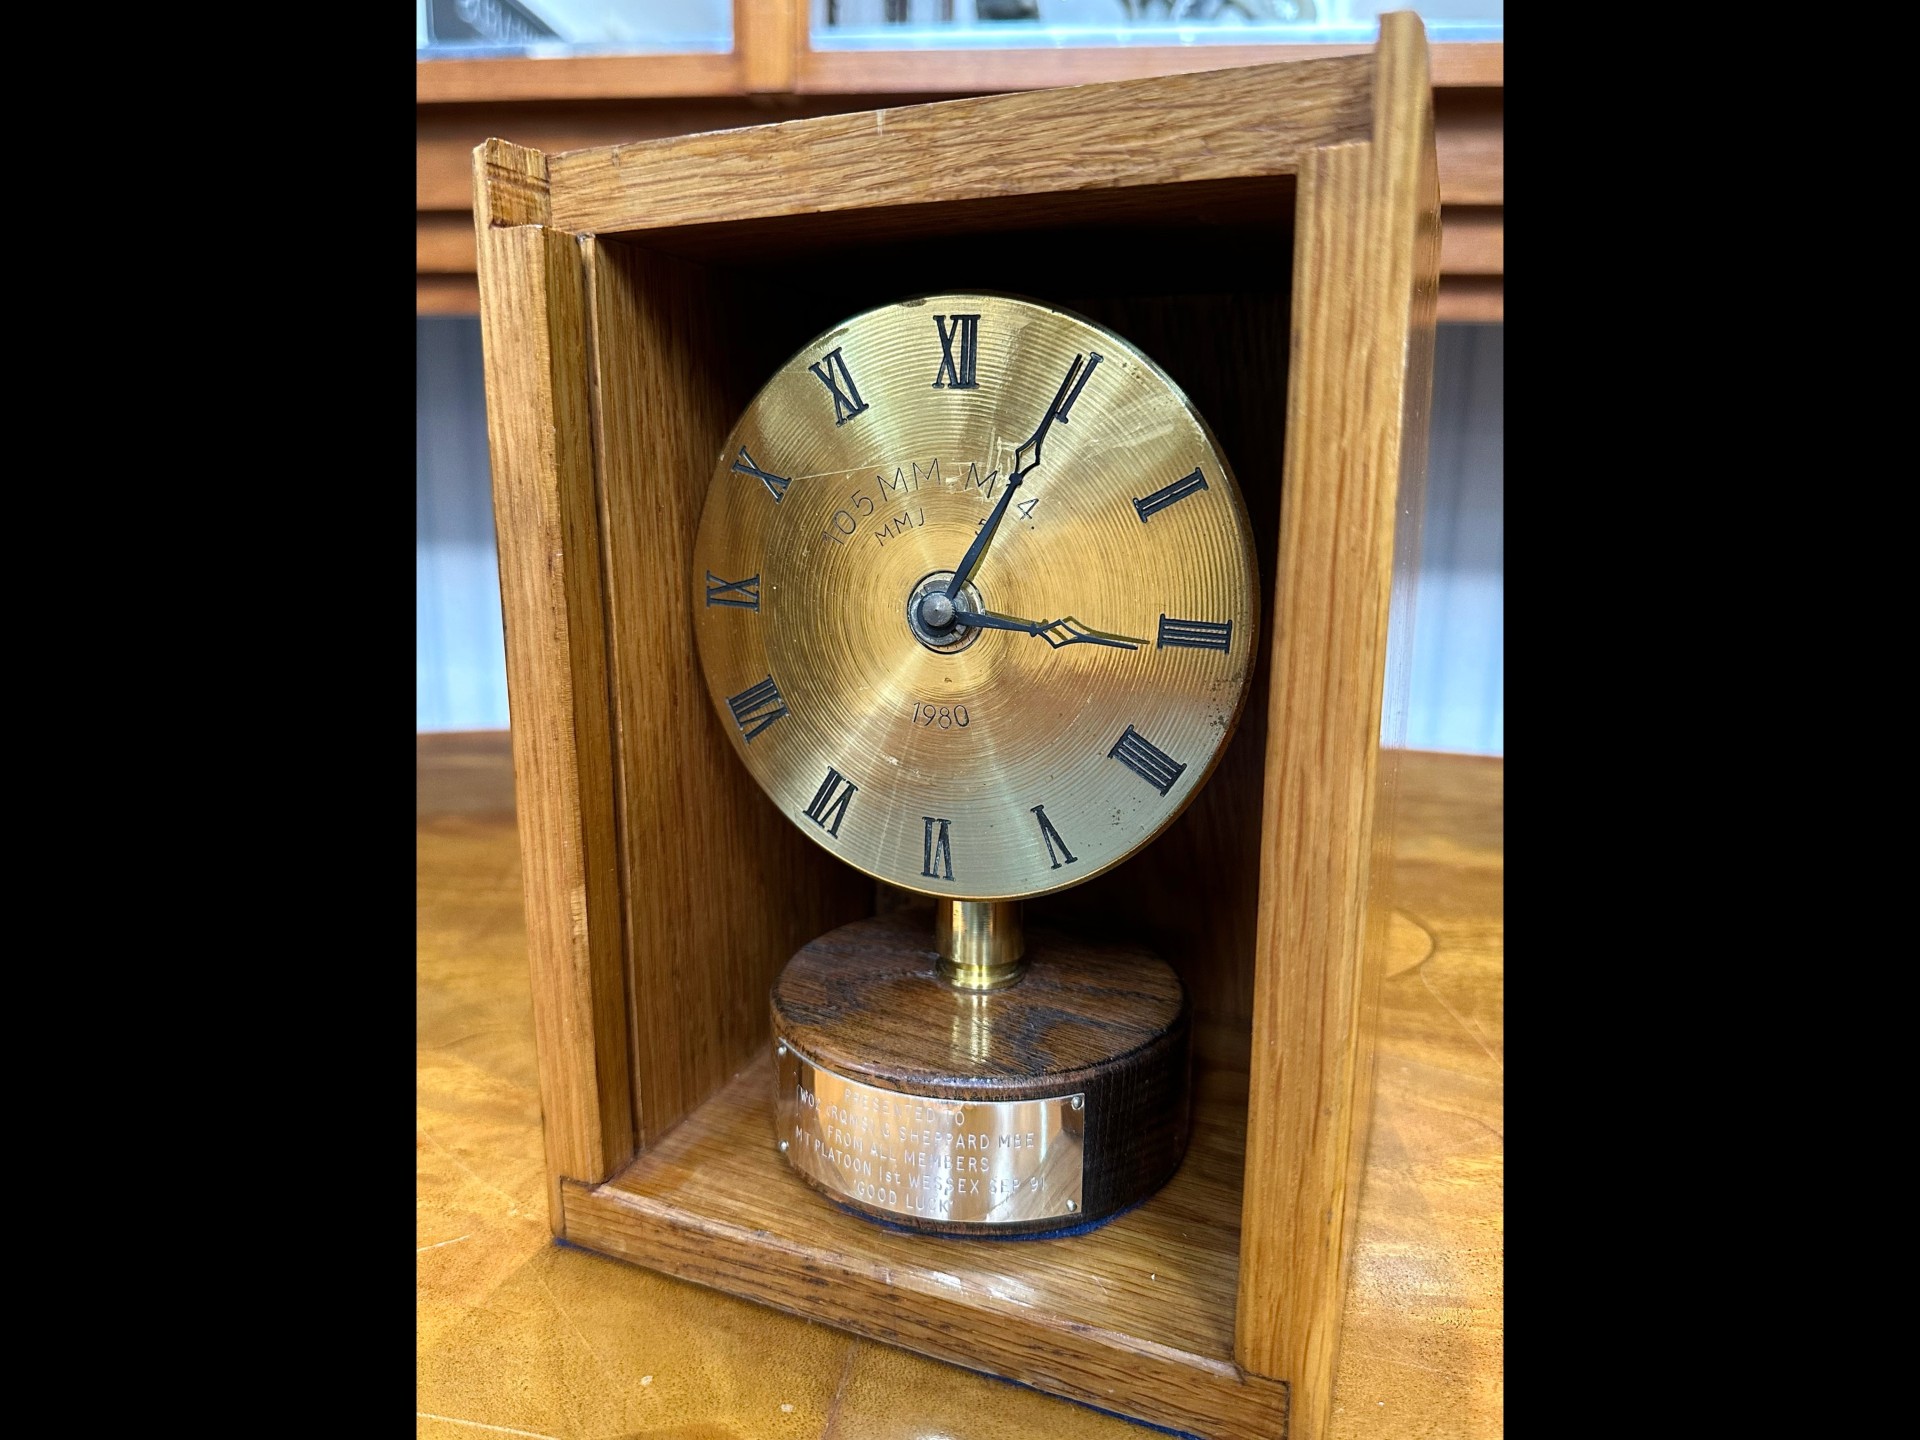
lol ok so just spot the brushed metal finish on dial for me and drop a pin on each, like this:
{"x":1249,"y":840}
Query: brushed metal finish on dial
{"x":1061,"y":707}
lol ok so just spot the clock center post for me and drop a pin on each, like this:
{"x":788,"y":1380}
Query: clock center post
{"x":935,"y":619}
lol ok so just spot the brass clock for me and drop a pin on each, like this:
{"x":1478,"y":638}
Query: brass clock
{"x":976,"y":595}
{"x":977,"y":606}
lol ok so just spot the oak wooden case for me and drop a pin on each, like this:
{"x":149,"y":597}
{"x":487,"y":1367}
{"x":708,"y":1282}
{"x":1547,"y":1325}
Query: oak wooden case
{"x":1269,"y":235}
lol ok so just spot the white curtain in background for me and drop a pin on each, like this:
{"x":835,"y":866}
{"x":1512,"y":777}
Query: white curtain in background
{"x":460,"y":667}
{"x":1457,"y":696}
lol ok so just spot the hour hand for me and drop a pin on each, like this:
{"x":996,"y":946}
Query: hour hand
{"x":1056,"y":633}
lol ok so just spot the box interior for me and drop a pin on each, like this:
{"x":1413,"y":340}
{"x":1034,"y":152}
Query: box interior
{"x":686,"y":326}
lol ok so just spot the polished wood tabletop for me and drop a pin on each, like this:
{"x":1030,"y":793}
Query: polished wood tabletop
{"x":520,"y":1335}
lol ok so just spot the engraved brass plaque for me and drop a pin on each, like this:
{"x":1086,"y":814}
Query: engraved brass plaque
{"x":996,"y":1162}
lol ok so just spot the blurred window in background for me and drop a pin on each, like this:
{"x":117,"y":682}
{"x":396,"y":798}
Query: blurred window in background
{"x":978,"y":24}
{"x":472,"y":29}
{"x":499,"y":28}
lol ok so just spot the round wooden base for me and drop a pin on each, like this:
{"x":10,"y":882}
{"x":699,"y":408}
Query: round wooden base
{"x":1108,"y":1023}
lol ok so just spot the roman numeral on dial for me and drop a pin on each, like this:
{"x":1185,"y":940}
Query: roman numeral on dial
{"x":757,"y":707}
{"x":1168,"y":494}
{"x":826,"y":811}
{"x":776,"y":484}
{"x":831,"y":371}
{"x":936,"y":854}
{"x":1052,"y":837}
{"x":737,"y":594}
{"x":1194,"y":634}
{"x":1145,"y":759}
{"x":957,"y":374}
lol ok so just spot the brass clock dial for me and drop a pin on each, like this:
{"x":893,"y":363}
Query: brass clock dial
{"x":975,"y":595}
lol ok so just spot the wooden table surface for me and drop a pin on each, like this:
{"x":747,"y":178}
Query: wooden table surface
{"x":519,"y":1335}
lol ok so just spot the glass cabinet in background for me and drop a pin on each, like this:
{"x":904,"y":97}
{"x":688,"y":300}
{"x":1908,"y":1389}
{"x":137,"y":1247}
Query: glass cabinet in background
{"x":981,"y":24}
{"x":474,"y":29}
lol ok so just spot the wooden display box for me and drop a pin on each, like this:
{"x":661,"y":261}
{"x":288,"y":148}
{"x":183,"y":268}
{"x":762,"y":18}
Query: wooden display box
{"x":1270,"y":236}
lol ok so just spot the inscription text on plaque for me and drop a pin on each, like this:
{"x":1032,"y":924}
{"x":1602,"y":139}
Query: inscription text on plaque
{"x":984,"y":1162}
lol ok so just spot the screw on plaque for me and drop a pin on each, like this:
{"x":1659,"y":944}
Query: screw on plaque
{"x":1079,"y":1102}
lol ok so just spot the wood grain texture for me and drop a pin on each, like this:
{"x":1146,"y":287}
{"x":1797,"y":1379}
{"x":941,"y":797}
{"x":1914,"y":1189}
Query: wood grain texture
{"x":1407,"y":192}
{"x":1472,"y":247}
{"x":508,"y":185}
{"x":1420,"y":1335}
{"x":1365,"y":276}
{"x":516,"y":1332}
{"x":926,"y":229}
{"x":1468,"y":132}
{"x":1469,"y":137}
{"x":1226,"y":125}
{"x":445,"y":135}
{"x":1109,"y":1021}
{"x":595,"y":102}
{"x":1134,"y":1316}
{"x":532,"y":318}
{"x":671,"y":365}
{"x":720,"y":889}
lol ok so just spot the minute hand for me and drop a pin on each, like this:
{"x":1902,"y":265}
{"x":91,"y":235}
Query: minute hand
{"x":971,"y":560}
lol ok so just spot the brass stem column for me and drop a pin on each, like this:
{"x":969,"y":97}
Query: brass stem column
{"x":981,"y":943}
